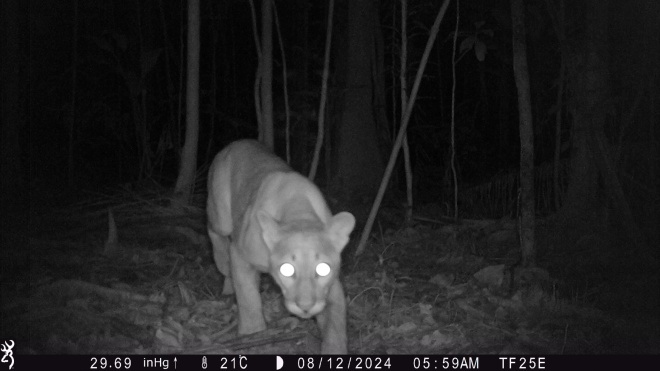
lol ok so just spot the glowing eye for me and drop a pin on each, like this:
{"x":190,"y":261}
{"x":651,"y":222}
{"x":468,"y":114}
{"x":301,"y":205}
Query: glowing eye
{"x":287,"y":270}
{"x":323,"y":269}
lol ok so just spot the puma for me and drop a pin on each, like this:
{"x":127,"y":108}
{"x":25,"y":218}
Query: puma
{"x":265,"y":218}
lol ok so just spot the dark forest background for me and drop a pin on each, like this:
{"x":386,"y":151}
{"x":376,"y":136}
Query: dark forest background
{"x":129,"y":75}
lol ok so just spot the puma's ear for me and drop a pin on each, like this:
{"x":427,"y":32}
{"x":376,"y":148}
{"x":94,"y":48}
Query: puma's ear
{"x":270,"y":230}
{"x":340,"y":227}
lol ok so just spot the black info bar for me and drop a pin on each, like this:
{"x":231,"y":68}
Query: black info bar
{"x":330,"y":362}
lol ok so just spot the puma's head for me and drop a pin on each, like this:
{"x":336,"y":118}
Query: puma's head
{"x":305,"y":259}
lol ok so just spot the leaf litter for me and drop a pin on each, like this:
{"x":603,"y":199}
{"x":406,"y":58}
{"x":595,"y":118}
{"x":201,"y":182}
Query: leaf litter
{"x":416,"y":290}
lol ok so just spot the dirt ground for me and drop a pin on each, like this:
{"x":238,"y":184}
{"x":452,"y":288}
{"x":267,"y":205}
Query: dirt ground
{"x":427,"y":288}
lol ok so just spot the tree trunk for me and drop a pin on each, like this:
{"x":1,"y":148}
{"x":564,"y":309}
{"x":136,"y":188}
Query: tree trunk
{"x":521,"y":75}
{"x":504,"y":97}
{"x":267,"y":73}
{"x":404,"y":107}
{"x":589,"y":88}
{"x":186,"y":180}
{"x":324,"y":94}
{"x":558,"y":17}
{"x":359,"y":164}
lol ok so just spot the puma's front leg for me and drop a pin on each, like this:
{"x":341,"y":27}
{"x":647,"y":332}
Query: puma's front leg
{"x":221,"y":257}
{"x":332,"y":322}
{"x":246,"y":284}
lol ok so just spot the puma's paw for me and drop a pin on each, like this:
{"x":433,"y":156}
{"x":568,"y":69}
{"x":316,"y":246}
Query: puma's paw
{"x":330,"y":347}
{"x":249,"y":326}
{"x":227,"y":286}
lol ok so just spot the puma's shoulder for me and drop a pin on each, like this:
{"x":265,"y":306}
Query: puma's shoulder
{"x":235,"y":177}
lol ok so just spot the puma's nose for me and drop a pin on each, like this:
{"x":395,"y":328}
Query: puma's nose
{"x":305,"y":304}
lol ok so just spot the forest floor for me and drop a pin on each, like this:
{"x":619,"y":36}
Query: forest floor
{"x":427,"y":288}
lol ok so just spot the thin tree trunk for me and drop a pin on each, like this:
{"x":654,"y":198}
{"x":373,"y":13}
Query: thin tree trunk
{"x":521,"y":74}
{"x":267,"y":73}
{"x":404,"y":105}
{"x":378,"y":75}
{"x":300,"y":132}
{"x":452,"y":159}
{"x":324,"y":93}
{"x":653,"y":148}
{"x":258,"y":76}
{"x":559,"y":23}
{"x":182,"y":66}
{"x":305,"y":41}
{"x":186,"y":180}
{"x":557,"y":150}
{"x":146,"y":133}
{"x":392,"y":130}
{"x":285,"y":85}
{"x":214,"y":88}
{"x":231,"y":67}
{"x":168,"y":72}
{"x":140,"y":106}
